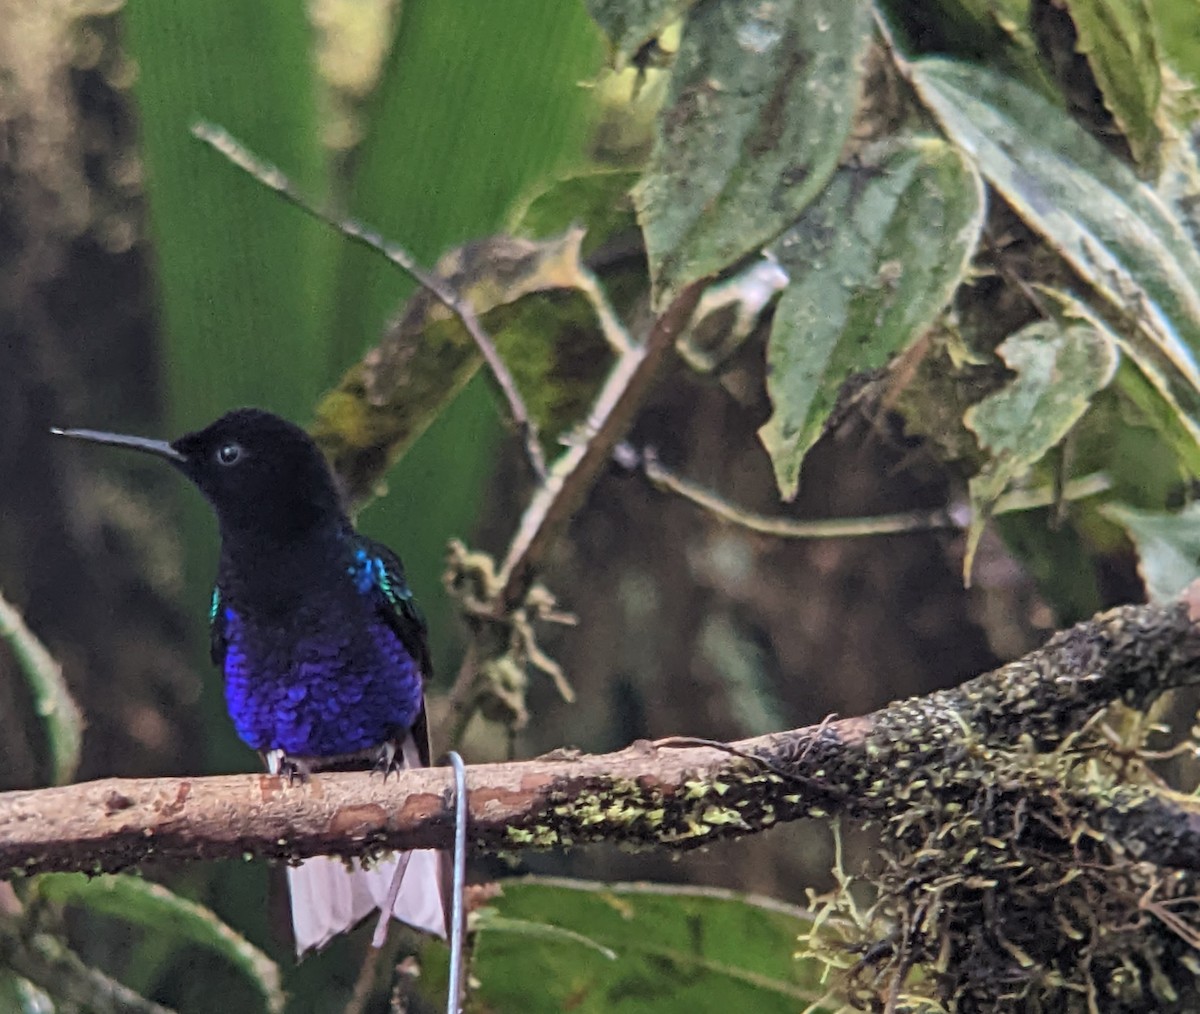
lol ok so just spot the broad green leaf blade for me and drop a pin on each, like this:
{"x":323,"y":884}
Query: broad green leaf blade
{"x":1112,"y":229}
{"x":1058,"y":370}
{"x":241,"y":274}
{"x":678,"y":949}
{"x":630,"y":24}
{"x":872,"y":263}
{"x":1118,"y":39}
{"x":1168,"y":547}
{"x":760,"y":104}
{"x":492,"y":922}
{"x":52,"y":699}
{"x":1179,"y":35}
{"x":477,"y":104}
{"x":1161,"y":417}
{"x":158,"y":911}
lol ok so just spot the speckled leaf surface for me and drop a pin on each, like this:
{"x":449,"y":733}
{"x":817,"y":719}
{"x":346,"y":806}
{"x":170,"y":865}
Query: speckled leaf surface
{"x":1058,"y":369}
{"x":759,"y":106}
{"x":1117,"y":37}
{"x":872,"y":263}
{"x":624,"y":948}
{"x":1168,"y":547}
{"x":158,"y":911}
{"x":630,"y":24}
{"x":1115,"y":231}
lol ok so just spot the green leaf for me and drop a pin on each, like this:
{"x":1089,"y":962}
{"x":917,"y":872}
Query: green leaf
{"x":1159,"y":416}
{"x":630,"y":24}
{"x":1112,"y":229}
{"x":677,"y":949}
{"x":1168,"y":547}
{"x":51,"y":698}
{"x":1058,"y":369}
{"x":519,"y":116}
{"x":599,"y":201}
{"x":1117,"y":37}
{"x":760,"y":104}
{"x":242,"y":276}
{"x":1179,"y":35}
{"x":158,"y":911}
{"x":492,"y":922}
{"x":385,"y":402}
{"x":872,"y":263}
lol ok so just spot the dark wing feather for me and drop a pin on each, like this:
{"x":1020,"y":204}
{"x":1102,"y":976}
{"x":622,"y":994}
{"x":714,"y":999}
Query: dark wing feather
{"x":404,"y":616}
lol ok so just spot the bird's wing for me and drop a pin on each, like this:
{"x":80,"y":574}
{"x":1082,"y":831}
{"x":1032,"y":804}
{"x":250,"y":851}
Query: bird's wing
{"x":397,"y":605}
{"x":217,"y":643}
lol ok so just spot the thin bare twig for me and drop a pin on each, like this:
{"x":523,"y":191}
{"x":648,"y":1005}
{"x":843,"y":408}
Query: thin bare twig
{"x":623,"y":393}
{"x":273,"y":178}
{"x":885,"y":524}
{"x":554,"y":502}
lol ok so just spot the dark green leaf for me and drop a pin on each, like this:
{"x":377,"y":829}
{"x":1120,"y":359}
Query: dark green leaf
{"x":243,"y":277}
{"x":1113,"y":230}
{"x":158,"y":911}
{"x":1058,"y":369}
{"x":872,"y":263}
{"x":677,"y":949}
{"x":1117,"y":37}
{"x":1178,"y":31}
{"x":384,"y":403}
{"x":598,"y":201}
{"x":760,"y":104}
{"x":1168,"y":547}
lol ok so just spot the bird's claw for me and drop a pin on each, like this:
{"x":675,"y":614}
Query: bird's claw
{"x":292,"y":768}
{"x":389,"y":760}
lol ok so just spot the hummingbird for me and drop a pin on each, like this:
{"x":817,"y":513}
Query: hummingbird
{"x":323,"y":649}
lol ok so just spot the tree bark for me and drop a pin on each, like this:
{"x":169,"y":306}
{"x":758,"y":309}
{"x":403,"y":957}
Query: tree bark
{"x":680,"y":793}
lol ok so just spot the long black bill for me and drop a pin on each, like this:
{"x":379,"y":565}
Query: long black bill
{"x":159,"y":448}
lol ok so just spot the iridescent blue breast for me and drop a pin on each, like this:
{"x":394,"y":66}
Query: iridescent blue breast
{"x":328,"y":685}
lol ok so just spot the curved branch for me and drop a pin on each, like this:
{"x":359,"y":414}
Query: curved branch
{"x":672,"y":793}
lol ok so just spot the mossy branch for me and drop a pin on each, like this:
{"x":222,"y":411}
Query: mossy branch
{"x":891,"y":766}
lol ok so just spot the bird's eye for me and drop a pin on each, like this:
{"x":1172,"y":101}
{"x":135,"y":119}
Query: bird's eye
{"x":229,"y":454}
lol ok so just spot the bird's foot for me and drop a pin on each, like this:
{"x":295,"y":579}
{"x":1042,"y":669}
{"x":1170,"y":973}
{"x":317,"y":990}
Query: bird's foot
{"x":294,"y":769}
{"x":389,"y":761}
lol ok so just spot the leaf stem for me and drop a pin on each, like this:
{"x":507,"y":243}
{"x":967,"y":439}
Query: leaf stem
{"x":954,"y":516}
{"x":52,"y":699}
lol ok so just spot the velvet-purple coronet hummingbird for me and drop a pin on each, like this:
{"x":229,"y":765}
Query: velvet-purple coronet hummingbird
{"x":322,"y":648}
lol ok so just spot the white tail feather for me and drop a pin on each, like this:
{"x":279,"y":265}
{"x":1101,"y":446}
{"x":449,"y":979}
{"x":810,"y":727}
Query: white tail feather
{"x":329,"y":896}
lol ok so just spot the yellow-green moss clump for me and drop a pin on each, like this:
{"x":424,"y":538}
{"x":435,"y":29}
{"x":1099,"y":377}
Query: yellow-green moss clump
{"x":1002,"y":887}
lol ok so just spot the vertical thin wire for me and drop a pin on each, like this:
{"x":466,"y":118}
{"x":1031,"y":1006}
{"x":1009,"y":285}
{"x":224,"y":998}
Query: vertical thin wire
{"x":457,"y":914}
